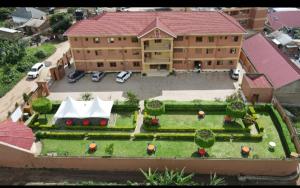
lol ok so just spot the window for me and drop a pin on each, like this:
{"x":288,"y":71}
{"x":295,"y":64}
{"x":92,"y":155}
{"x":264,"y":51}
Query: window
{"x":221,"y":37}
{"x":235,"y":38}
{"x":179,"y":38}
{"x":219,"y":49}
{"x":134,"y":39}
{"x":78,"y":51}
{"x":209,"y":51}
{"x":110,"y":40}
{"x":120,"y":38}
{"x":230,"y":62}
{"x":198,"y":39}
{"x":178,"y":50}
{"x":225,"y":38}
{"x":125,"y":51}
{"x":111,"y":51}
{"x":157,"y":53}
{"x":157,"y":40}
{"x":219,"y":62}
{"x":198,"y":50}
{"x":96,"y":52}
{"x":135,"y":52}
{"x":186,"y":37}
{"x":209,"y":63}
{"x":233,"y":50}
{"x":86,"y":39}
{"x":177,"y":62}
{"x":88,"y":51}
{"x":211,"y":39}
{"x":112,"y":64}
{"x":96,"y":40}
{"x":136,"y":64}
{"x":75,"y":39}
{"x":124,"y":38}
{"x":99,"y":64}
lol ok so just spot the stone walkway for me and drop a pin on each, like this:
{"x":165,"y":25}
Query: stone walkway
{"x":140,"y":118}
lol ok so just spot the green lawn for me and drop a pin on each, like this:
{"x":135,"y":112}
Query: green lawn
{"x":124,"y":120}
{"x":48,"y":48}
{"x":48,"y":121}
{"x":188,"y":120}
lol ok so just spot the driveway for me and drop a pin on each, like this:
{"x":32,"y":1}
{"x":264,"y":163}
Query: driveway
{"x":183,"y":86}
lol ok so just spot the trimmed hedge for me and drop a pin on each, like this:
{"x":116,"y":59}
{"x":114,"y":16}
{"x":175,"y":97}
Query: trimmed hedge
{"x":123,"y":107}
{"x":144,"y":136}
{"x":108,"y":135}
{"x":283,"y":131}
{"x":239,"y":137}
{"x":174,"y":136}
{"x":194,"y":106}
{"x":30,"y":122}
{"x":259,"y":127}
{"x":261,"y":107}
{"x":80,"y":127}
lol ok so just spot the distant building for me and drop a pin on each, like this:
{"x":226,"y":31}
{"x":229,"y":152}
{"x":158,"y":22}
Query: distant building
{"x":279,"y":20}
{"x":249,"y":17}
{"x":6,"y":33}
{"x":23,"y":14}
{"x":261,"y":56}
{"x":35,"y":26}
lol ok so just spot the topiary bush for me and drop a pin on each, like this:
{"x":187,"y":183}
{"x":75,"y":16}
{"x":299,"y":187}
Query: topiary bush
{"x":205,"y":138}
{"x":236,"y":109}
{"x":155,"y":108}
{"x":42,"y":105}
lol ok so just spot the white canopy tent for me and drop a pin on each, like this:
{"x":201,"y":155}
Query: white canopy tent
{"x":96,"y":108}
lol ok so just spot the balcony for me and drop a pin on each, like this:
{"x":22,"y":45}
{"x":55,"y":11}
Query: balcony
{"x":157,"y":60}
{"x":157,"y":47}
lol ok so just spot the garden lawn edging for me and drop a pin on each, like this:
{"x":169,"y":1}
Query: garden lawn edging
{"x":172,"y":106}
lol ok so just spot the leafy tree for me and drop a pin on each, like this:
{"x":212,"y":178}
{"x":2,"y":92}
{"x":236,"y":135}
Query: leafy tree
{"x":40,"y":54}
{"x":205,"y":138}
{"x":236,"y":109}
{"x":11,"y":52}
{"x":42,"y":105}
{"x":234,"y":97}
{"x":86,"y":97}
{"x":71,"y":10}
{"x":5,"y":12}
{"x":109,"y":149}
{"x":60,"y":22}
{"x":132,"y":98}
{"x":36,"y":39}
{"x":155,"y":108}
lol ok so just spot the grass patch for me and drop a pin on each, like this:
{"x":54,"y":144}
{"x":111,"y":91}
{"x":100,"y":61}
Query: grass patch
{"x":124,"y":120}
{"x":48,"y":48}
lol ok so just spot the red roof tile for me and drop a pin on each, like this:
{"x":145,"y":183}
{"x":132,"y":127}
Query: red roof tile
{"x":16,"y":134}
{"x":285,"y":18}
{"x":257,"y":81}
{"x":179,"y":23}
{"x":267,"y":60}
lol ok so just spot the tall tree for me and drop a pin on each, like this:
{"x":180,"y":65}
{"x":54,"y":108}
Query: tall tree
{"x":11,"y":52}
{"x":60,"y":22}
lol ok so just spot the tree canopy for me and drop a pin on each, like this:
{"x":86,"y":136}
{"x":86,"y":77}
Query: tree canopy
{"x":11,"y":52}
{"x":60,"y":22}
{"x":5,"y":12}
{"x":205,"y":138}
{"x":236,"y":109}
{"x":155,"y":107}
{"x":42,"y":105}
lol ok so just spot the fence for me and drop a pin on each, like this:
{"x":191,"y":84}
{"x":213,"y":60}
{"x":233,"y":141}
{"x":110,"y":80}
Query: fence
{"x":288,"y":122}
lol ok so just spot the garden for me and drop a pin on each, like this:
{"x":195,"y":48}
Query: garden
{"x":173,"y":129}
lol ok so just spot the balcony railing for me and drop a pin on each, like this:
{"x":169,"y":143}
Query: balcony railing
{"x":158,"y":47}
{"x":157,"y":60}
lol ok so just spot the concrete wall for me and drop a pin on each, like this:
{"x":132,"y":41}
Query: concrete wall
{"x":289,"y":94}
{"x":13,"y":157}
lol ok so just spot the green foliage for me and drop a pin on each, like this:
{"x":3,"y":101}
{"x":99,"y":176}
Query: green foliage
{"x":234,"y":97}
{"x":236,"y":109}
{"x":144,"y":136}
{"x":60,"y":22}
{"x":205,"y":138}
{"x":249,"y":120}
{"x":216,"y":181}
{"x":40,"y":54}
{"x":25,"y":97}
{"x":132,"y":99}
{"x":86,"y":96}
{"x":195,"y":106}
{"x":97,"y":135}
{"x":123,"y":107}
{"x":109,"y":149}
{"x":5,"y":12}
{"x":42,"y":105}
{"x":135,"y":116}
{"x":175,"y":136}
{"x":168,"y":178}
{"x":98,"y":128}
{"x":11,"y":52}
{"x":239,"y":137}
{"x":71,"y":10}
{"x":155,"y":108}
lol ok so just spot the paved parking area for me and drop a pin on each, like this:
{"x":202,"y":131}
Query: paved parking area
{"x":182,"y":86}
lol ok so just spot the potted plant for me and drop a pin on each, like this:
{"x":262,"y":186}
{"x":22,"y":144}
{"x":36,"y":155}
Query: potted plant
{"x":86,"y":122}
{"x":69,"y":122}
{"x":103,"y":122}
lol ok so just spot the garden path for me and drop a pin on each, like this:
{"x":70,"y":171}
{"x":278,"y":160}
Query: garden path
{"x":140,"y":118}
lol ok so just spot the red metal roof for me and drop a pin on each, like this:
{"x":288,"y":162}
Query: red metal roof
{"x":257,"y":81}
{"x":285,"y":18}
{"x":179,"y":23}
{"x":17,"y":134}
{"x":267,"y":60}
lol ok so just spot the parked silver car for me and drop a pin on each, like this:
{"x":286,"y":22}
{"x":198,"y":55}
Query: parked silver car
{"x":123,"y":76}
{"x":97,"y":76}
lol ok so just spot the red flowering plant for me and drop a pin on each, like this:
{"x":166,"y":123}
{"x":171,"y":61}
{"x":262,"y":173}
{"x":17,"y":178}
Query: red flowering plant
{"x":103,"y":122}
{"x":86,"y":122}
{"x":69,"y":122}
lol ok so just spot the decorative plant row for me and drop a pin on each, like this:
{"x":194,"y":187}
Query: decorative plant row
{"x":86,"y":122}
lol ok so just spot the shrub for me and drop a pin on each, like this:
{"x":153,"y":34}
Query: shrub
{"x":108,"y":135}
{"x":147,"y":122}
{"x":135,"y":116}
{"x":122,"y":107}
{"x":132,"y":99}
{"x":172,"y":136}
{"x":251,"y":109}
{"x":233,"y":97}
{"x":239,"y":137}
{"x":205,"y":138}
{"x":60,"y":135}
{"x":155,"y":108}
{"x":79,"y":127}
{"x":144,"y":136}
{"x":40,"y":54}
{"x":249,"y":120}
{"x":86,"y":96}
{"x":109,"y":149}
{"x":194,"y":106}
{"x":236,"y":109}
{"x":42,"y":105}
{"x":25,"y":98}
{"x":255,"y":156}
{"x":30,"y":121}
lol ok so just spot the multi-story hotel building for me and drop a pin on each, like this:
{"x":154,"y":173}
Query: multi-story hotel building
{"x":253,"y":18}
{"x":150,"y":41}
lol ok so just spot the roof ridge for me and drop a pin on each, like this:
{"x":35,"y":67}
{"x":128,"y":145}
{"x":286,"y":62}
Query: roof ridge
{"x":227,"y":17}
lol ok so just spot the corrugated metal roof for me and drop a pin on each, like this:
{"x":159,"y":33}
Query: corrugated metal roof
{"x":278,"y":20}
{"x":269,"y":61}
{"x":257,"y":81}
{"x":180,"y":23}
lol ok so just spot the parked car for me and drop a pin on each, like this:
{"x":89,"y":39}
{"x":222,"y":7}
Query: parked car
{"x":97,"y":76}
{"x":35,"y":70}
{"x":76,"y":75}
{"x":234,"y":74}
{"x":123,"y":76}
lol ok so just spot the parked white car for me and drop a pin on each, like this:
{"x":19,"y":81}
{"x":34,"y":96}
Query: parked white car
{"x":35,"y":70}
{"x":123,"y":76}
{"x":234,"y":74}
{"x":97,"y":76}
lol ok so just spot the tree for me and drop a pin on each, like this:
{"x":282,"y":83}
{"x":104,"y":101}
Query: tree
{"x":86,"y":97}
{"x":36,"y":39}
{"x":236,"y":109}
{"x":42,"y":105}
{"x":109,"y":149}
{"x":25,"y":98}
{"x":5,"y":12}
{"x":11,"y":52}
{"x":234,"y":97}
{"x":60,"y":22}
{"x":205,"y":138}
{"x":155,"y":108}
{"x":132,"y":98}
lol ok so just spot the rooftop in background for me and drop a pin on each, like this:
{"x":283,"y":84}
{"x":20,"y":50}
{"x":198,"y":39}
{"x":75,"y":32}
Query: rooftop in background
{"x":277,"y":20}
{"x":285,"y":9}
{"x":28,"y":12}
{"x":34,"y":23}
{"x":17,"y":134}
{"x":269,"y":61}
{"x":133,"y":23}
{"x":257,"y":81}
{"x":4,"y":29}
